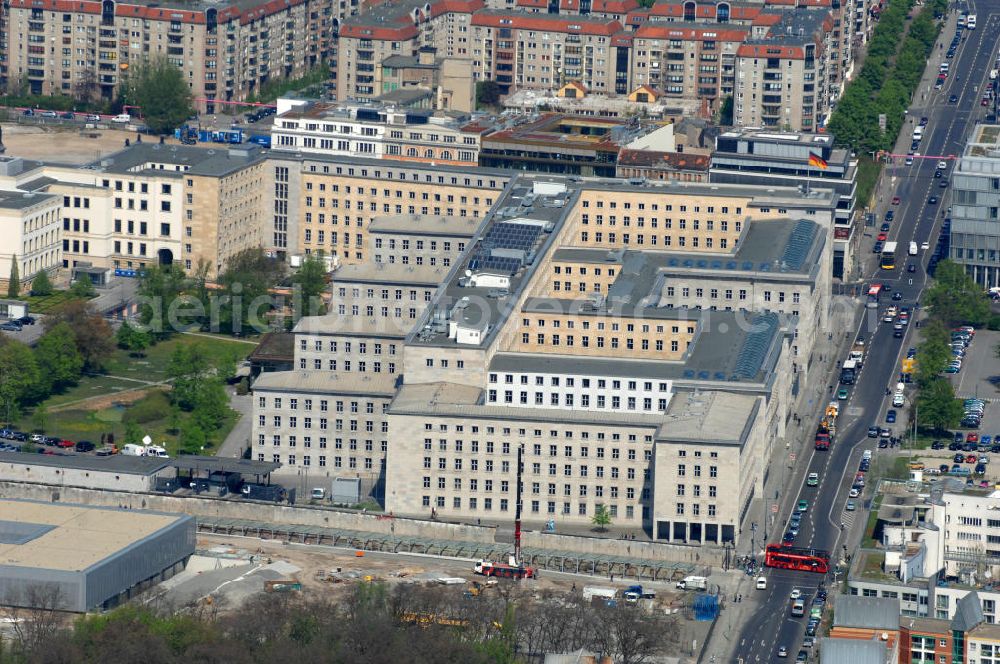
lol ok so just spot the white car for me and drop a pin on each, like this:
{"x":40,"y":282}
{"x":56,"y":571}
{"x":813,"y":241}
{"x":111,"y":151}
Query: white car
{"x":924,"y":246}
{"x":761,"y":583}
{"x":122,"y":118}
{"x":796,"y":593}
{"x":854,"y":493}
{"x":942,"y":164}
{"x":897,"y":400}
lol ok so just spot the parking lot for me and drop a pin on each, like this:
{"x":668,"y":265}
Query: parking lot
{"x":980,"y":374}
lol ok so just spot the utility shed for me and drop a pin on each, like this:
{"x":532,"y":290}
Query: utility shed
{"x":80,"y":558}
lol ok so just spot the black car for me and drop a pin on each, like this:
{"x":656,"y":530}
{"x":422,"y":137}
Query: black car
{"x":26,"y":320}
{"x":958,"y":458}
{"x":953,"y":99}
{"x":980,"y":469}
{"x":911,"y":268}
{"x":84,"y":446}
{"x":937,"y":445}
{"x":897,"y":296}
{"x":883,"y":443}
{"x":788,"y":538}
{"x":890,"y":215}
{"x":28,"y":111}
{"x":932,"y":200}
{"x":873,"y":432}
{"x":944,"y":468}
{"x":970,"y":447}
{"x":943,"y":184}
{"x":897,"y":334}
{"x":959,"y":438}
{"x":937,"y":174}
{"x":954,"y":446}
{"x":884,"y":228}
{"x":51,"y":441}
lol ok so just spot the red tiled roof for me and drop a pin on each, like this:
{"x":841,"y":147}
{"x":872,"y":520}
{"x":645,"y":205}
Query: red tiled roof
{"x":637,"y":17}
{"x":613,"y":6}
{"x":533,"y":3}
{"x":767,"y":19}
{"x":382,"y":33}
{"x":674,"y":9}
{"x":687,"y":33}
{"x":622,"y":39}
{"x":155,"y":13}
{"x":546,"y":22}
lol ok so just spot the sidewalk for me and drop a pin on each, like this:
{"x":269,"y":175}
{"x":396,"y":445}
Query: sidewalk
{"x":813,"y":395}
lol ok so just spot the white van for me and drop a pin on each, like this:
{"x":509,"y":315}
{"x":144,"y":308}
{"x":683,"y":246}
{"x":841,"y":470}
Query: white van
{"x":133,"y":450}
{"x":918,"y":133}
{"x":913,"y":248}
{"x":156,"y":451}
{"x":970,"y":22}
{"x":761,"y":583}
{"x":122,"y":118}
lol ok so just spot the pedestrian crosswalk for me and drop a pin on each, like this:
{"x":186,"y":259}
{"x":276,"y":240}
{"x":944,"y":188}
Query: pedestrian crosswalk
{"x":847,"y":518}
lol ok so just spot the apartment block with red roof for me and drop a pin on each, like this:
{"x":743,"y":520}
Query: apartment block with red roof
{"x":524,"y":50}
{"x":398,"y":29}
{"x":783,"y":71}
{"x":226,"y":50}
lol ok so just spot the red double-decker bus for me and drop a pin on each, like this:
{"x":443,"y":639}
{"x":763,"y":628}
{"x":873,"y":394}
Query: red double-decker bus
{"x":790,"y":557}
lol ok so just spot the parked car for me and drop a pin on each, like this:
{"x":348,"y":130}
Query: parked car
{"x":84,"y":446}
{"x":11,"y":326}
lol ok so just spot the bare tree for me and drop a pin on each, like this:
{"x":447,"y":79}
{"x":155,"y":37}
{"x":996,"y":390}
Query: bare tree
{"x":35,"y":614}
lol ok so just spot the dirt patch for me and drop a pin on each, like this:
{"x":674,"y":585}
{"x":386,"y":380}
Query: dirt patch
{"x":65,"y":145}
{"x":125,"y":398}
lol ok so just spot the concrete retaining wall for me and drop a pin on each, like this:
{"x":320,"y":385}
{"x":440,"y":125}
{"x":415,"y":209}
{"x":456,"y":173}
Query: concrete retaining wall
{"x":328,"y":518}
{"x":653,"y":551}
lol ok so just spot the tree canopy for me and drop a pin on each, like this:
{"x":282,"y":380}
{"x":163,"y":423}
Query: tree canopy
{"x":158,"y":88}
{"x":59,"y":359}
{"x":955,"y":298}
{"x":91,"y":333}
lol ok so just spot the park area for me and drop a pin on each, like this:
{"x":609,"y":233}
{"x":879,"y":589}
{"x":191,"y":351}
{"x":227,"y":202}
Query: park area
{"x":132,"y":387}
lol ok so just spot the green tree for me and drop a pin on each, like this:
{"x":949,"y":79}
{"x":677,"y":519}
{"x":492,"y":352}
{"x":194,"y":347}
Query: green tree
{"x":487,"y":93}
{"x":158,"y":88}
{"x":19,"y":377}
{"x":92,"y":334}
{"x":59,"y":360}
{"x":41,"y":285}
{"x":14,"y":282}
{"x":726,"y":111}
{"x":39,"y":417}
{"x":935,"y":352}
{"x":955,"y":298}
{"x":159,"y":288}
{"x":245,"y":297}
{"x":937,"y":406}
{"x":310,"y":283}
{"x":192,"y":437}
{"x":133,"y":432}
{"x":82,"y":288}
{"x":601,"y":518}
{"x":132,"y":338}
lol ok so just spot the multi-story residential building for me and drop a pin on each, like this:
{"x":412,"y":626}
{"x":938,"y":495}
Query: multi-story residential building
{"x":323,"y":203}
{"x":782,"y":72}
{"x":226,"y":51}
{"x":378,"y":132}
{"x":782,"y":158}
{"x":693,"y":61}
{"x":398,"y":29}
{"x":414,"y":240}
{"x":32,"y":234}
{"x":616,"y":397}
{"x":975,"y":207}
{"x":522,"y":50}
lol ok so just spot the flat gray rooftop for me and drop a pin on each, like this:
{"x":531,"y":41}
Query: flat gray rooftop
{"x":116,"y":463}
{"x":781,"y":246}
{"x":729,"y":347}
{"x":190,"y":160}
{"x":21,"y":200}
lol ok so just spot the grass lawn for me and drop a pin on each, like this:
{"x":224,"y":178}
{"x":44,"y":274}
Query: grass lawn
{"x":153,"y":365}
{"x":867,"y":540}
{"x":87,"y":421}
{"x":40,"y":304}
{"x":79,"y":425}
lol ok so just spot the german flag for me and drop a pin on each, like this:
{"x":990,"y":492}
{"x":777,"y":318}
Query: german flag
{"x":817,"y":161}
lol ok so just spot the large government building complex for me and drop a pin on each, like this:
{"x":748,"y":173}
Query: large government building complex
{"x":640,"y":342}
